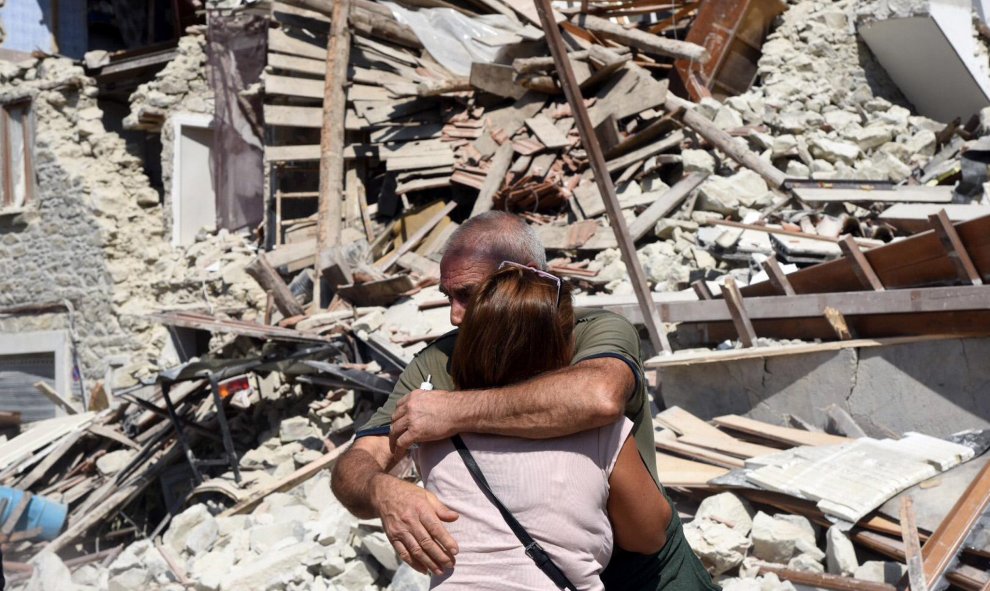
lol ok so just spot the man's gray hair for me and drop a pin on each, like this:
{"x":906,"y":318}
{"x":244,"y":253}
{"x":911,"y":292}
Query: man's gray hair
{"x":497,"y":236}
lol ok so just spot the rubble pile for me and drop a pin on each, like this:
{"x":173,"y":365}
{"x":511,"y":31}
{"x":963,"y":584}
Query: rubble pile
{"x":759,"y":193}
{"x":299,"y":540}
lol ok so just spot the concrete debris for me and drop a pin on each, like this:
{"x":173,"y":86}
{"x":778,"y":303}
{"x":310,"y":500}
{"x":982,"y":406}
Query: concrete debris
{"x":779,"y":538}
{"x":840,"y":555}
{"x":720,"y":547}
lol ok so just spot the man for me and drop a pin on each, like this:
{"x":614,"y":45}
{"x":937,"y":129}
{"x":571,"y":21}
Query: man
{"x":604,"y":381}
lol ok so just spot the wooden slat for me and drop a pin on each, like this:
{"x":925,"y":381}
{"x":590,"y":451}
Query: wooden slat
{"x":954,"y":247}
{"x":860,"y":266}
{"x":290,"y":86}
{"x":912,"y":546}
{"x":777,"y":276}
{"x":547,"y":133}
{"x":700,"y":287}
{"x":279,"y":41}
{"x":734,"y":303}
{"x":666,"y":203}
{"x":286,"y":116}
{"x":945,"y":542}
{"x":667,"y":441}
{"x":294,"y":63}
{"x":777,"y":433}
{"x":685,"y":473}
{"x":918,"y":260}
{"x":901,"y":194}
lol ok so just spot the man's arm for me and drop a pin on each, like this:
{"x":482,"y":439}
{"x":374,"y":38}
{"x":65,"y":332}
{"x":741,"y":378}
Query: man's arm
{"x":584,"y":396}
{"x":412,"y":516}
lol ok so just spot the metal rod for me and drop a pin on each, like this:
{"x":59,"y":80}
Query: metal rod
{"x":228,"y":442}
{"x":180,"y":433}
{"x":651,"y":318}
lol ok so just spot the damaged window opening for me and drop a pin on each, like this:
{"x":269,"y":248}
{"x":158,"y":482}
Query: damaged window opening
{"x":16,"y":147}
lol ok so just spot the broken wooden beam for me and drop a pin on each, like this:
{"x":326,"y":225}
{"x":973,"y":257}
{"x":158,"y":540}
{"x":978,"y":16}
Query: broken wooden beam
{"x":912,"y":546}
{"x":667,"y":203}
{"x":641,"y":40}
{"x":726,"y":143}
{"x":777,"y":276}
{"x":734,"y":303}
{"x":329,"y":221}
{"x":860,"y":266}
{"x":954,"y":247}
{"x":390,"y":259}
{"x":945,"y":542}
{"x":268,"y":278}
{"x":57,"y":400}
{"x":627,"y":247}
{"x":824,"y":581}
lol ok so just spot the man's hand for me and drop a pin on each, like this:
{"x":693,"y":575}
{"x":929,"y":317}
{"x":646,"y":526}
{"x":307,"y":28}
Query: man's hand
{"x":423,"y":415}
{"x":413,"y":519}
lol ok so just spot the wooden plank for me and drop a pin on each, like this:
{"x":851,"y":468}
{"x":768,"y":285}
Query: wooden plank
{"x":290,"y":86}
{"x":493,"y":179}
{"x":40,"y":470}
{"x":294,"y":63}
{"x":641,"y":40}
{"x":667,"y":441}
{"x":778,"y":433}
{"x":288,"y":482}
{"x":269,"y":280}
{"x":777,"y":276}
{"x":685,"y":473}
{"x":406,"y":134}
{"x":279,"y":41}
{"x":860,"y":266}
{"x":954,"y":248}
{"x":732,"y":148}
{"x":731,"y":446}
{"x":945,"y":542}
{"x":683,"y":423}
{"x":822,"y":580}
{"x":332,"y":141}
{"x":917,"y":260}
{"x":897,"y":194}
{"x":292,"y":116}
{"x":547,"y":133}
{"x":912,"y":546}
{"x":498,"y":79}
{"x":54,"y":397}
{"x":700,"y":287}
{"x":668,"y":202}
{"x":390,"y":259}
{"x":654,"y":325}
{"x":734,"y":303}
{"x":668,"y":143}
{"x":913,"y":217}
{"x":113,"y":435}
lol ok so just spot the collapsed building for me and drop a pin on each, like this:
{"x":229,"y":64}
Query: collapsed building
{"x":178,"y":259}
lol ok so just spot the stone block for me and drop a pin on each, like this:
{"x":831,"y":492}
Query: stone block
{"x":358,"y":574}
{"x":257,"y":573}
{"x":181,"y":526}
{"x":775,"y":539}
{"x":880,"y":572}
{"x":49,"y":573}
{"x":407,"y":579}
{"x":840,"y":555}
{"x":377,"y":544}
{"x":720,"y":547}
{"x":728,"y":509}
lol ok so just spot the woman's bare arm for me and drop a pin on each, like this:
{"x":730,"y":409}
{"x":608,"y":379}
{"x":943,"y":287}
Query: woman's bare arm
{"x":637,"y":509}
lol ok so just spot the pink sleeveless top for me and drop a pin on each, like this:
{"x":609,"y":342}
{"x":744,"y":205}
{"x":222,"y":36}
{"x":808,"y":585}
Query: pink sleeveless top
{"x":556,"y":488}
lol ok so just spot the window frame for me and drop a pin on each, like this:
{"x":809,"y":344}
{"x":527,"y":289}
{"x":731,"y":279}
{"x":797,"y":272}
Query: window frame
{"x":7,"y":197}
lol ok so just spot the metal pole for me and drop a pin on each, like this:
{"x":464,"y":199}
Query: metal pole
{"x":174,"y":417}
{"x":228,"y":442}
{"x":626,"y":245}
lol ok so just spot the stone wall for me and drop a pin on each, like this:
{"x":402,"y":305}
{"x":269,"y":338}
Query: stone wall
{"x":94,"y":233}
{"x":180,"y":87}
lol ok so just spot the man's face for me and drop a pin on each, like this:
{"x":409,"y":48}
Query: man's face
{"x":459,"y":278}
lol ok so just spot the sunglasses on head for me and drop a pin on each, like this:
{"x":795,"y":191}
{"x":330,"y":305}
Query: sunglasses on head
{"x":554,"y":279}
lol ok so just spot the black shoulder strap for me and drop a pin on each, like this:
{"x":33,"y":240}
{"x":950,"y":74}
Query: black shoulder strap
{"x":532,"y":547}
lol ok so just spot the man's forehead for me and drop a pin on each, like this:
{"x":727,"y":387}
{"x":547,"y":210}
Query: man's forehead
{"x":461,"y":270}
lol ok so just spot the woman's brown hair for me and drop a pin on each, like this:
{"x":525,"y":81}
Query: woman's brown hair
{"x":515,"y":327}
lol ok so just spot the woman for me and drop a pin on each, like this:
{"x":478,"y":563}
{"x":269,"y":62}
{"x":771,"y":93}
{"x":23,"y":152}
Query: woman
{"x":576,"y":495}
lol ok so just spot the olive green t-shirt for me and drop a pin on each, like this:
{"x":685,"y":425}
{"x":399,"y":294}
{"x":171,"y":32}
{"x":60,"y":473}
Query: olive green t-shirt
{"x":597,"y":334}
